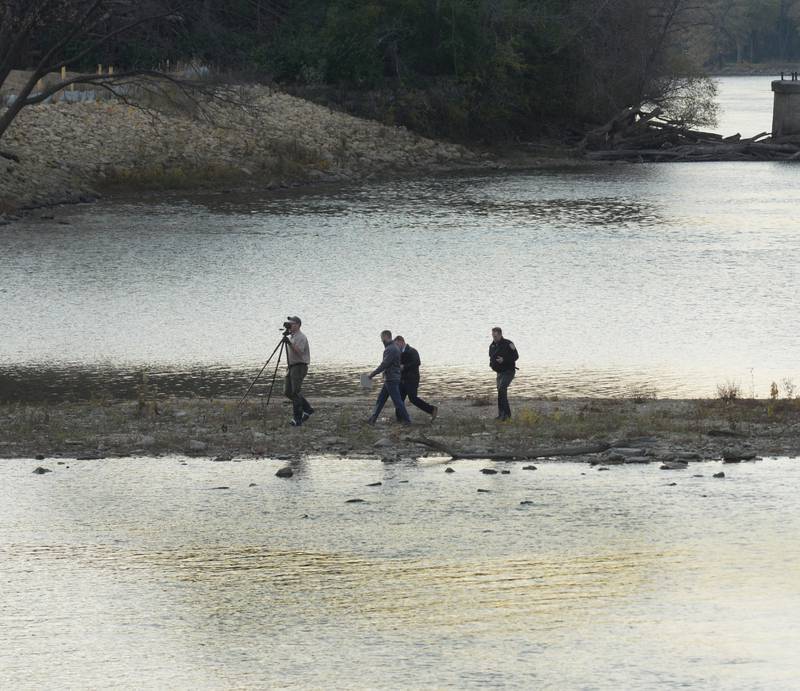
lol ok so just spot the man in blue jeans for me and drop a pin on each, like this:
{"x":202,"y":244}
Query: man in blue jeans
{"x":390,"y":367}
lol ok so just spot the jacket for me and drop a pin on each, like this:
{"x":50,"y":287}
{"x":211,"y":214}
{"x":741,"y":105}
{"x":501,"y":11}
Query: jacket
{"x":409,"y":359}
{"x":506,"y":350}
{"x":390,"y":365}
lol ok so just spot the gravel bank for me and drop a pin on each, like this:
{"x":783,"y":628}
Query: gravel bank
{"x":71,"y":152}
{"x":649,"y":431}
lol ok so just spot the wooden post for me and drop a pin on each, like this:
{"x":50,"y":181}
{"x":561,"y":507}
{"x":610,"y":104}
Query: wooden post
{"x":63,"y":73}
{"x":110,"y":70}
{"x":99,"y":69}
{"x":40,"y":85}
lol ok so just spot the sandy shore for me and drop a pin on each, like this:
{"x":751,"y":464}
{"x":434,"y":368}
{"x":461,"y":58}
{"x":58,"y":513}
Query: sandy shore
{"x":613,"y":431}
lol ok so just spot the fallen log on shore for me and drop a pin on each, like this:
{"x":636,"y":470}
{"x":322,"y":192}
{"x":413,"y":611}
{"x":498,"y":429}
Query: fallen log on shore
{"x":639,"y":136}
{"x":516,"y":455}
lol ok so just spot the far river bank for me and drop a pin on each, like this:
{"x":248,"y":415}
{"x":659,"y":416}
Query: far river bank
{"x":604,"y":432}
{"x":66,"y":153}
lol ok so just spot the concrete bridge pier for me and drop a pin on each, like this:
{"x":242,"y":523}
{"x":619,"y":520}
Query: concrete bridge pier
{"x":786,"y":109}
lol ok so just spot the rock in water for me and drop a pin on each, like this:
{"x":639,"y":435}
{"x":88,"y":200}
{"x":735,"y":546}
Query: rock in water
{"x":488,"y":471}
{"x":614,"y":459}
{"x":719,"y":474}
{"x":737,"y":456}
{"x":628,"y":451}
{"x":449,"y":470}
{"x":529,"y":467}
{"x":41,"y":471}
{"x":374,"y":484}
{"x":642,"y":460}
{"x":674,"y":465}
{"x":39,"y":456}
{"x":286,"y":471}
{"x":354,"y":501}
{"x":527,"y":502}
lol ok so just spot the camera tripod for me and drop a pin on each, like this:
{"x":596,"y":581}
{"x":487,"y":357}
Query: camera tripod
{"x":279,"y":349}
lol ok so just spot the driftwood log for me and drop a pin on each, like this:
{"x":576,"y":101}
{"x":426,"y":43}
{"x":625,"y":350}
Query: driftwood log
{"x":516,"y":455}
{"x":638,"y":136}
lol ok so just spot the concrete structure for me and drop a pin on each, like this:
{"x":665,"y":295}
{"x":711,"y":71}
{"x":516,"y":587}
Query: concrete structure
{"x":786,"y":110}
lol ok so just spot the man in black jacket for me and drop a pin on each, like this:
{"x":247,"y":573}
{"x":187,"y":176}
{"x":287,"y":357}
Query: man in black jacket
{"x":409,"y":378}
{"x":502,"y":356}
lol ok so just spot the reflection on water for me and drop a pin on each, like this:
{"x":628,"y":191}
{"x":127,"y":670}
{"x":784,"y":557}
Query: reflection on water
{"x":137,"y":570}
{"x":566,"y":212}
{"x":32,"y":384}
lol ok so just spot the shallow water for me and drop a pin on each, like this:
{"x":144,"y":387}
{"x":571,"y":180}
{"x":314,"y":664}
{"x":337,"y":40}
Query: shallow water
{"x":136,"y":573}
{"x":665,"y":278}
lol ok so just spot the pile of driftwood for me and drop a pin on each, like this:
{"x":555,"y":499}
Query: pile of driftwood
{"x":636,"y":135}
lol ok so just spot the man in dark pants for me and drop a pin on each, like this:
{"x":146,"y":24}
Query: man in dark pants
{"x":390,"y":367}
{"x":409,"y":377}
{"x":502,"y":356}
{"x":298,"y":357}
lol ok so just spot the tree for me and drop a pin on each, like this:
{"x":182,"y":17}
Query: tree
{"x":632,"y":53}
{"x":756,"y":30}
{"x":45,"y":36}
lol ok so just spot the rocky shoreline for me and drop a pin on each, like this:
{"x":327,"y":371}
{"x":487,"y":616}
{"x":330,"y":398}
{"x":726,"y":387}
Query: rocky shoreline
{"x":600,"y":432}
{"x":62,"y":153}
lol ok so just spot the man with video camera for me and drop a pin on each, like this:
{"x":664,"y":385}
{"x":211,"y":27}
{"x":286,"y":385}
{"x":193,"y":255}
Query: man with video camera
{"x":298,"y":357}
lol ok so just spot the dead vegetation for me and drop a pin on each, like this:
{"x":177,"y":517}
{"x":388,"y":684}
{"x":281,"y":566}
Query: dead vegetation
{"x":637,"y":135}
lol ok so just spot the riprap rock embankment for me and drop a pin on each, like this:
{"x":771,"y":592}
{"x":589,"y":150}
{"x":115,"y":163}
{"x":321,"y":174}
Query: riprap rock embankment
{"x":64,"y":152}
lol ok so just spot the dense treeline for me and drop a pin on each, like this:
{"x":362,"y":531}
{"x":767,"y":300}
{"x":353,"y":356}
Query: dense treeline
{"x":748,"y":30}
{"x":469,"y":69}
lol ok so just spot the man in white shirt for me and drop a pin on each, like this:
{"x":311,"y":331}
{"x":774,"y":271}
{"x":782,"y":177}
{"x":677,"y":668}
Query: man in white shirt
{"x":298,"y":357}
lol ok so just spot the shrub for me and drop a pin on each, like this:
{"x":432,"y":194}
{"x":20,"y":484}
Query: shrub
{"x":729,"y":391}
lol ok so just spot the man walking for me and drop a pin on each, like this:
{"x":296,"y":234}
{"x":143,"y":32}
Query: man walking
{"x":409,"y":377}
{"x":298,"y":357}
{"x":390,"y":367}
{"x":502,"y":356}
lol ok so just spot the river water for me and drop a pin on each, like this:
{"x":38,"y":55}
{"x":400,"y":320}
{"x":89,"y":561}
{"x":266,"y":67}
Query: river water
{"x":611,"y":279}
{"x":136,"y":573}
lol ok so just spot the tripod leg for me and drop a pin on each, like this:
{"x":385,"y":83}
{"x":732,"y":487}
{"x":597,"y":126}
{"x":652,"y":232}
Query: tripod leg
{"x":253,"y":383}
{"x":275,"y":373}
